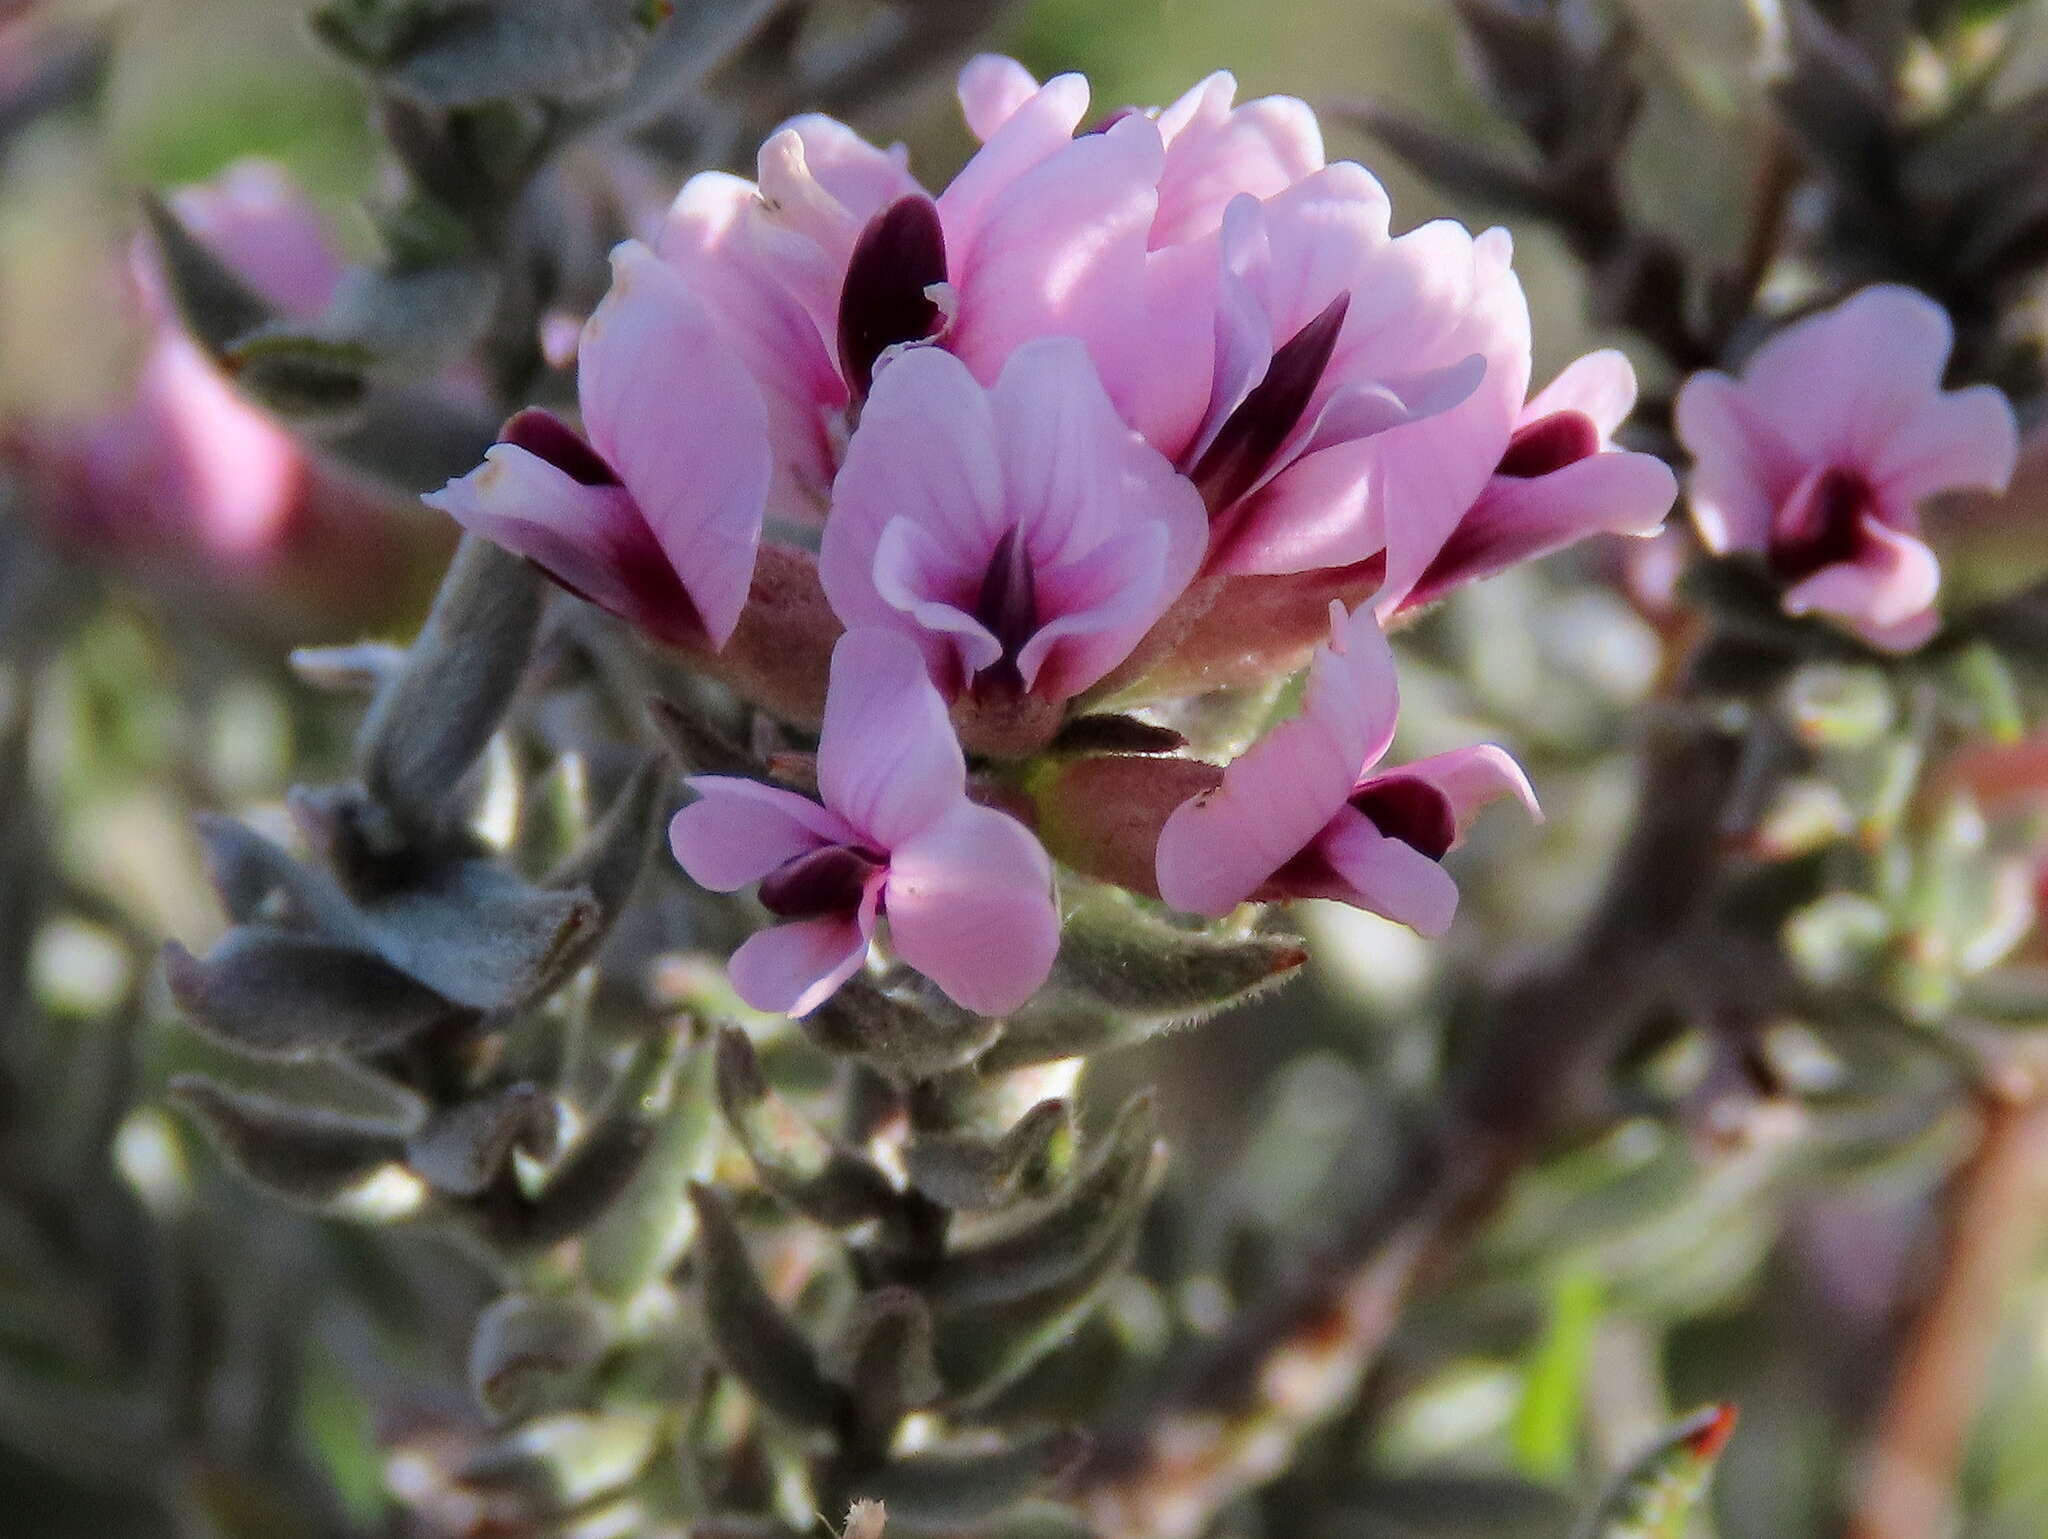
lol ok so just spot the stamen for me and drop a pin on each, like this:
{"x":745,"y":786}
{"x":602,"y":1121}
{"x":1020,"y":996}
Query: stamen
{"x":1262,"y":422}
{"x":899,"y":258}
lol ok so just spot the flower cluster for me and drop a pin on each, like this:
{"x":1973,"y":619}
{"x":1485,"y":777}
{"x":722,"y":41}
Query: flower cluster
{"x":1124,"y":414}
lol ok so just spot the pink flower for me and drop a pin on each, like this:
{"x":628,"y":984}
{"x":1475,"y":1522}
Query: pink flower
{"x":1244,"y":308}
{"x":1821,"y":453}
{"x":1021,"y":535}
{"x":1304,"y":814}
{"x":1560,"y":480}
{"x":966,"y":890}
{"x":186,"y":468}
{"x":657,"y":515}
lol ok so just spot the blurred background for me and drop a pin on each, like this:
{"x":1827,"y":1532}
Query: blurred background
{"x":1725,"y":1244}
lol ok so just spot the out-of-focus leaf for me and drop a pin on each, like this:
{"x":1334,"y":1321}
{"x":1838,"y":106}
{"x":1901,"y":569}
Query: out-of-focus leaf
{"x":1455,"y":165}
{"x":474,"y":51}
{"x":527,"y":1351}
{"x":648,"y":1228}
{"x":215,"y":304}
{"x":463,"y":1149}
{"x":969,"y":1173}
{"x":563,"y":1463}
{"x":829,"y":1185}
{"x":884,"y":1358}
{"x":944,"y":1488}
{"x":480,"y":935}
{"x":277,"y":994}
{"x":1546,"y":1426}
{"x":1041,"y":1248}
{"x":1655,"y":1496}
{"x":303,"y":1154}
{"x":596,"y":1173}
{"x":1835,"y":102}
{"x":302,"y":376}
{"x":431,"y":722}
{"x":752,"y":1337}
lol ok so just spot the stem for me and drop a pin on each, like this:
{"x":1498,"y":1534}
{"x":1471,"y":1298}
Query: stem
{"x":1995,"y":1220}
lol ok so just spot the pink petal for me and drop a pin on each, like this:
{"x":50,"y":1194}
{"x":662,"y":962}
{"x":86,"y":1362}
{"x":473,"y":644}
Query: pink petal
{"x":1893,"y":581}
{"x":1600,"y":385}
{"x":1220,"y":847}
{"x":1036,"y":129}
{"x":887,"y":758}
{"x":1518,"y":520}
{"x":794,"y":968}
{"x":1114,"y":532}
{"x":925,"y":452}
{"x":1839,"y":384}
{"x":706,"y":239}
{"x":1387,"y":877}
{"x":230,"y":471}
{"x":1215,"y":152}
{"x":1061,"y":250}
{"x":677,"y":415}
{"x":860,"y":177}
{"x":1471,"y":777}
{"x":992,"y":90}
{"x":918,"y":576}
{"x":969,"y":901}
{"x":740,"y":830}
{"x":1963,"y":438}
{"x":1741,"y":470}
{"x":257,"y":220}
{"x":590,"y":539}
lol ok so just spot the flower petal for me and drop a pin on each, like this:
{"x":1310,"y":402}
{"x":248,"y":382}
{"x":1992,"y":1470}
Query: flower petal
{"x":1600,"y":385}
{"x":794,"y":968}
{"x":590,"y":539}
{"x":1518,"y":520}
{"x":739,"y":830}
{"x":1216,"y":151}
{"x":1893,"y":581}
{"x":970,"y":905}
{"x":1963,"y":438}
{"x":1741,"y":470}
{"x":992,"y":89}
{"x":1471,"y":777}
{"x":671,"y":407}
{"x":1037,"y":128}
{"x":888,"y":761}
{"x":1388,"y":878}
{"x":1218,"y":848}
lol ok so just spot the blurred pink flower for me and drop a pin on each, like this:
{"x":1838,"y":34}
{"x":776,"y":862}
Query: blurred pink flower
{"x":967,"y":890}
{"x":187,"y":474}
{"x":1304,"y":813}
{"x":1022,"y":535}
{"x":1560,"y":480}
{"x":1821,"y":453}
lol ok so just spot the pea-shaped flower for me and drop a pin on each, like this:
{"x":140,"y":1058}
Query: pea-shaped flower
{"x":966,"y":890}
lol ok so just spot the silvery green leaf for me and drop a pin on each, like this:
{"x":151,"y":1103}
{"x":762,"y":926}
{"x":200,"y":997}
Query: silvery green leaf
{"x":462,"y":1149}
{"x":1836,"y":103}
{"x":757,"y":1343}
{"x":431,"y":722}
{"x":943,"y":1487}
{"x":562,"y":1463}
{"x":1455,"y":165}
{"x":969,"y":1173}
{"x":698,"y":745}
{"x":215,"y":304}
{"x":479,"y":935}
{"x":598,"y":1171}
{"x":527,"y":1352}
{"x":1042,"y":1247}
{"x":916,"y":1039}
{"x":423,"y":317}
{"x":494,"y":50}
{"x":607,"y":864}
{"x":883,"y":1356}
{"x":650,"y":1225}
{"x":828,"y":1185}
{"x":304,"y":1154}
{"x":357,"y":669}
{"x":413,"y":439}
{"x":274,"y":993}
